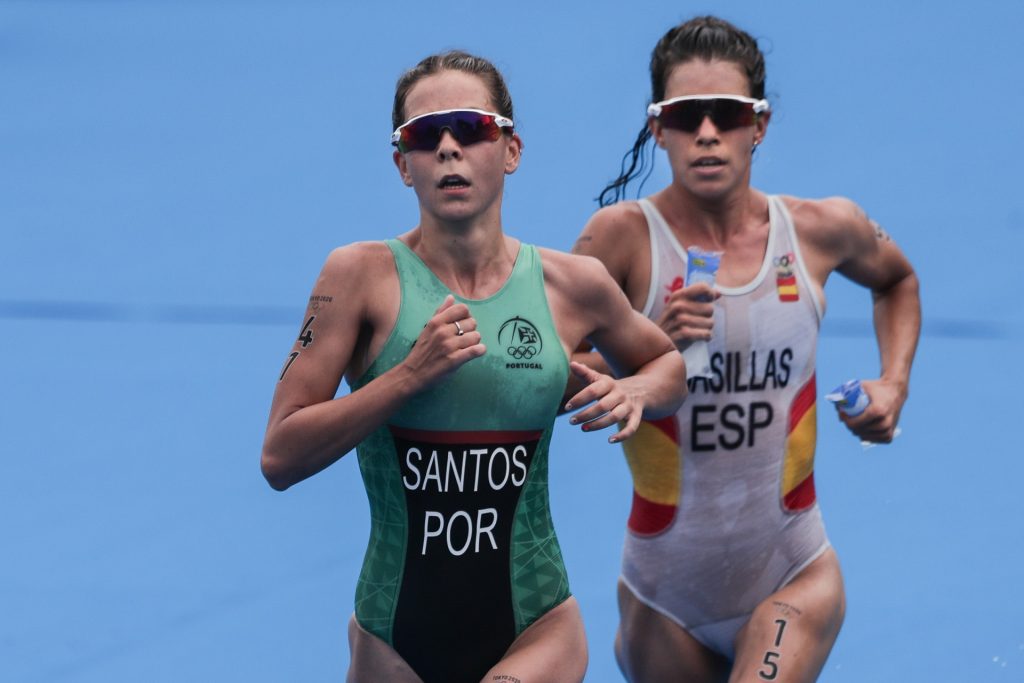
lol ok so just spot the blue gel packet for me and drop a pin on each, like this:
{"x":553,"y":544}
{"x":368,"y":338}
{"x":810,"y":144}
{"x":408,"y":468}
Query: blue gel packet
{"x":701,"y":266}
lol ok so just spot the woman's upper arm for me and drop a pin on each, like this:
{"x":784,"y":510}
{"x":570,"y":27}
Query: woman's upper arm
{"x":610,"y":237}
{"x":856,"y":245}
{"x":330,"y":330}
{"x":624,"y":336}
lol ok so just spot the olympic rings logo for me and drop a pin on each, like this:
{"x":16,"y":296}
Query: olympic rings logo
{"x":520,"y":352}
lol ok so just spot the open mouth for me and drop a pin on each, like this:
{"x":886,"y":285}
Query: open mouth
{"x":708,"y":162}
{"x":453,"y":182}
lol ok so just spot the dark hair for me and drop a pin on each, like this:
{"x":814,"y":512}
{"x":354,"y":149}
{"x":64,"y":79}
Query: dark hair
{"x":706,"y":38}
{"x":453,"y":60}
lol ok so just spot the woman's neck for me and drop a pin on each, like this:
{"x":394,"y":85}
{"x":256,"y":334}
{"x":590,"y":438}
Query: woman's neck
{"x":713,"y":222}
{"x":473,"y":260}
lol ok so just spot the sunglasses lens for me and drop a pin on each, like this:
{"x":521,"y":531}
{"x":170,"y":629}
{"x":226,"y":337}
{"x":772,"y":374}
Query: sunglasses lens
{"x":726,"y":114}
{"x":467,"y":127}
{"x":420,"y":135}
{"x":685,"y":116}
{"x":729,"y":114}
{"x":470,"y":127}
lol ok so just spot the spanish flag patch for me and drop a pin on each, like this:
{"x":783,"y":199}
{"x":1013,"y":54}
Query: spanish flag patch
{"x":785,"y":278}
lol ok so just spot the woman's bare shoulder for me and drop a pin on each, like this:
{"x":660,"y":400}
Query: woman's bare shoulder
{"x":582,"y":279}
{"x":824,"y":219}
{"x":357,"y":262}
{"x":619,"y":224}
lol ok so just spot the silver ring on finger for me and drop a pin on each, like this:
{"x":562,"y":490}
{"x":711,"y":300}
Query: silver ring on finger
{"x":458,"y":329}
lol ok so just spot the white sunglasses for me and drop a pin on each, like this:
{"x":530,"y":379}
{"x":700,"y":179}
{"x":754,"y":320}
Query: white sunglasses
{"x":467,"y":126}
{"x":725,"y":111}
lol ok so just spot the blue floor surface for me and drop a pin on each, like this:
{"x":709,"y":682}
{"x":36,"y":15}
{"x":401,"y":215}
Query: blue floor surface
{"x":173,"y":174}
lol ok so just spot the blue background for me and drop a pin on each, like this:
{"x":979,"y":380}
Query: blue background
{"x":172,"y":175}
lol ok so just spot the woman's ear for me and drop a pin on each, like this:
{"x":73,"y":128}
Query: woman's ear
{"x":513,"y":153}
{"x":761,"y":126}
{"x":656,"y":129}
{"x":403,"y":168}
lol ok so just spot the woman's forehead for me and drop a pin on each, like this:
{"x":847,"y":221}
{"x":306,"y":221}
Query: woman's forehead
{"x":447,"y":90}
{"x":699,"y":76}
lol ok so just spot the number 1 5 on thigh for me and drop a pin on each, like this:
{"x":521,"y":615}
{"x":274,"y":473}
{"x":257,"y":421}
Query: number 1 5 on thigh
{"x":771,"y":668}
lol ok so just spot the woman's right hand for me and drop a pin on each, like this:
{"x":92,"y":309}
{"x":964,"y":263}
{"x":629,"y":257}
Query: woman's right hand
{"x":688,"y":313}
{"x":440,"y":350}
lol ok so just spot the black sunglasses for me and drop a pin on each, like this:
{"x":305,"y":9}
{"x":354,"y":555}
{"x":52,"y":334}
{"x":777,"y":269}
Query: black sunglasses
{"x":725,"y":111}
{"x":468,"y":126}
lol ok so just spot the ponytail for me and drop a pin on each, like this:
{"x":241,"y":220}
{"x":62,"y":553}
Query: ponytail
{"x":638,"y":159}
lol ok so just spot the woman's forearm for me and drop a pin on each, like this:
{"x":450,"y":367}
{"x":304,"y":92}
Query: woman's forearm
{"x":310,"y":439}
{"x":897,"y":318}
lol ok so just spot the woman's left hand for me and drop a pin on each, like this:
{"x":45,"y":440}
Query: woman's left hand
{"x":608,"y":402}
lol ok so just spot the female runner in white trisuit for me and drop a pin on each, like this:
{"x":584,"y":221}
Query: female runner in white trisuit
{"x":727,"y":571}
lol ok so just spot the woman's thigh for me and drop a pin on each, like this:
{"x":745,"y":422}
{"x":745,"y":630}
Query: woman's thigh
{"x":552,"y":649}
{"x":791,"y":632}
{"x":373,"y":660}
{"x":651,"y":648}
